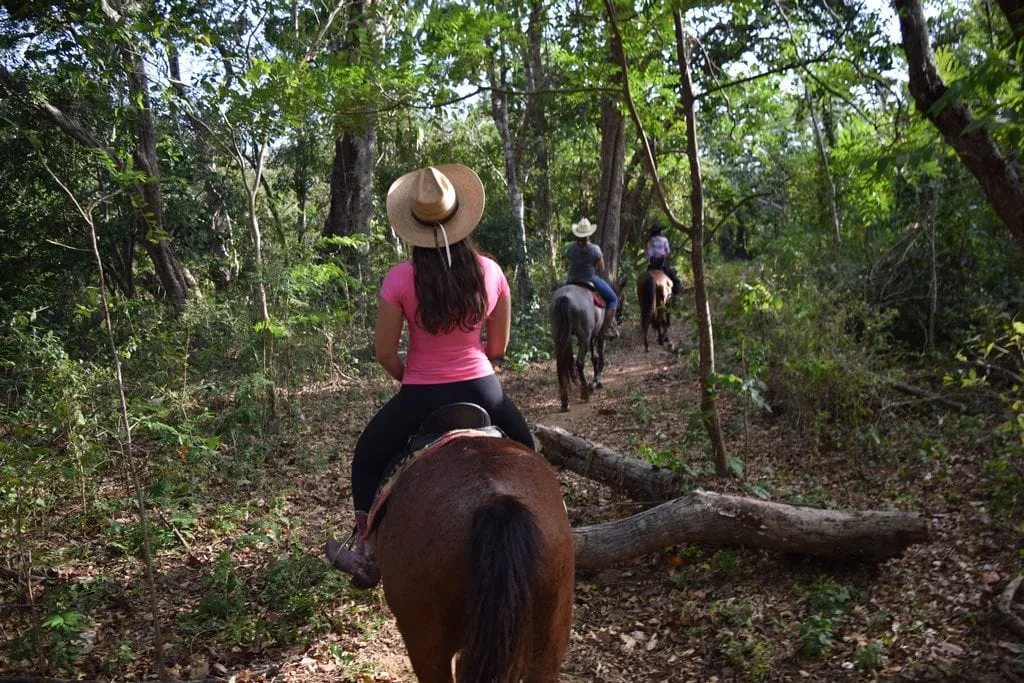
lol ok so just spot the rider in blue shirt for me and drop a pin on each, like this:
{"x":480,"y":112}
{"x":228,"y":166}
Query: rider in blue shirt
{"x":586,"y":260}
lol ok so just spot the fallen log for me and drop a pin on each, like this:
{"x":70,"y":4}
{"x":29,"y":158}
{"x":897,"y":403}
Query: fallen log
{"x":1004,"y":606}
{"x":635,"y":478}
{"x":910,"y":390}
{"x":717,"y":519}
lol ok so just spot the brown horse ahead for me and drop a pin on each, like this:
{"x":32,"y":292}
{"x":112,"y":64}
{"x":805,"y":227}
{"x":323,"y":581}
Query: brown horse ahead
{"x":476,"y":556}
{"x":653,"y":292}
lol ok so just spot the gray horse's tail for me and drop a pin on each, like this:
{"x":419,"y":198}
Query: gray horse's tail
{"x":561,"y":322}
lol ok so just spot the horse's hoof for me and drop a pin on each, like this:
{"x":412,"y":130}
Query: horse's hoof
{"x":598,"y":385}
{"x":565,"y":409}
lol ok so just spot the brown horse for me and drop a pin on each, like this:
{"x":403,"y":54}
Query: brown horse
{"x":653,"y":292}
{"x":476,"y":556}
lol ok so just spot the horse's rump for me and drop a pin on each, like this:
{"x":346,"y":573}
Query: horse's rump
{"x":653,"y":291}
{"x":574,"y":314}
{"x":476,"y":554}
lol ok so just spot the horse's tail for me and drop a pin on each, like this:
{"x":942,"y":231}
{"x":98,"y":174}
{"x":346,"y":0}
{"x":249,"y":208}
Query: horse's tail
{"x":503,"y":564}
{"x":561,"y":315}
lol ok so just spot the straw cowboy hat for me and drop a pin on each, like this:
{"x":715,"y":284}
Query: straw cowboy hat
{"x":584,"y":228}
{"x":436,"y":206}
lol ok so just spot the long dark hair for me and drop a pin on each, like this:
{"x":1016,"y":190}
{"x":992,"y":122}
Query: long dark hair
{"x":453,"y":297}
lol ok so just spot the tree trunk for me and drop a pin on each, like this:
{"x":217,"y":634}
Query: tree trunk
{"x":169,"y":272}
{"x":830,"y":187}
{"x":609,"y":197}
{"x":636,"y":200}
{"x":263,"y":310}
{"x":722,"y":520}
{"x":998,"y":177}
{"x":536,"y":79}
{"x":1014,"y":11}
{"x":221,"y":271}
{"x":499,"y":111}
{"x":351,"y":208}
{"x":636,"y":478}
{"x":352,"y":184}
{"x":696,"y":233}
{"x":714,"y":519}
{"x":301,"y":180}
{"x":708,"y":408}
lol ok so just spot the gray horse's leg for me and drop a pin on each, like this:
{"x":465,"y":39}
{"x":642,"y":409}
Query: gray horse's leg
{"x":581,"y":359}
{"x":597,"y":356}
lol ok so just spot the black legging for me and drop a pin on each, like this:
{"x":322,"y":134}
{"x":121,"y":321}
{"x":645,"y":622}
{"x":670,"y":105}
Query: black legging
{"x":389,"y":430}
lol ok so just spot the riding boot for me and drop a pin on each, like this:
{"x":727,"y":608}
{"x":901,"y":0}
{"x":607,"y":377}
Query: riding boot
{"x":360,"y":561}
{"x":610,"y":328}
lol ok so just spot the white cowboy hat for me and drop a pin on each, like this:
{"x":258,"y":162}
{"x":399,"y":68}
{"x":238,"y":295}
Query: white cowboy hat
{"x":584,"y":228}
{"x":437,"y":205}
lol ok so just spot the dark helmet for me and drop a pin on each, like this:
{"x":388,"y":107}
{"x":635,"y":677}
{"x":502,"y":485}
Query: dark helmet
{"x":656,"y":229}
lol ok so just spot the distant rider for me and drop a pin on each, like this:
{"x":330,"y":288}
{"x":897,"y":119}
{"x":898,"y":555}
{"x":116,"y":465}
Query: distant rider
{"x":586,"y":260}
{"x":657,"y":256}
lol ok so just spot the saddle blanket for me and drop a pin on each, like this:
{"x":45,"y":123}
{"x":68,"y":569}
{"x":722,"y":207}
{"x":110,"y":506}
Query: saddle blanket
{"x":396,"y":471}
{"x":598,"y":301}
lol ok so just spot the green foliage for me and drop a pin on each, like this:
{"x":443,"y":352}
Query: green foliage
{"x":871,"y":657}
{"x":809,"y":354}
{"x":1000,"y":346}
{"x":828,"y":602}
{"x":753,"y":657}
{"x":63,"y":629}
{"x":531,"y":340}
{"x":816,"y":636}
{"x":825,"y":595}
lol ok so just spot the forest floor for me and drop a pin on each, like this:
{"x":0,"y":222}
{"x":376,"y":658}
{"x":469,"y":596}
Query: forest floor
{"x":244,"y":593}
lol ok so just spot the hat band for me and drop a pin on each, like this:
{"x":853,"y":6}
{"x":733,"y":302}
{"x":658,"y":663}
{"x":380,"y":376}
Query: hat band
{"x":431,"y":221}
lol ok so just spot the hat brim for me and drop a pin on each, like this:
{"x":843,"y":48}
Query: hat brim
{"x":469,"y":193}
{"x":585,"y":232}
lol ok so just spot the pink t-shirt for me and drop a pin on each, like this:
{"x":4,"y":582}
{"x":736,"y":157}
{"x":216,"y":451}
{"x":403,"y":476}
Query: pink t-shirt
{"x":446,"y":357}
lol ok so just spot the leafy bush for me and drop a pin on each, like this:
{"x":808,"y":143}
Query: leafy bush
{"x":803,"y":352}
{"x":816,"y":636}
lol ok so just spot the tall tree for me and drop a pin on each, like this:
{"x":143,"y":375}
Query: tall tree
{"x":536,"y":116}
{"x":351,"y":199}
{"x":609,"y":196}
{"x":708,"y":407}
{"x":122,"y":29}
{"x":998,"y":176}
{"x":695,"y":232}
{"x":510,"y":152}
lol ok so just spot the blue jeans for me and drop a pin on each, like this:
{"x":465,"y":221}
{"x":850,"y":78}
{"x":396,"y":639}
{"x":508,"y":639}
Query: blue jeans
{"x":606,"y":292}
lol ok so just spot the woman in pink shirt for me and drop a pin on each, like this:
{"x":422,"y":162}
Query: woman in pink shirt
{"x":447,"y":294}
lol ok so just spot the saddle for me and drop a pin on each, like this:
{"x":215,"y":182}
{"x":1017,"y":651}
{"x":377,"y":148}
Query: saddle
{"x":444,"y":425}
{"x":585,"y":284}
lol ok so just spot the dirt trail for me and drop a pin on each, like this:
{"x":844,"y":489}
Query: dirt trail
{"x":629,"y":373}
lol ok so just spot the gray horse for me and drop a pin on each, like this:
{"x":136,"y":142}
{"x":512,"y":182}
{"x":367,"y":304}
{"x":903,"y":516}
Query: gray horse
{"x":574,"y":314}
